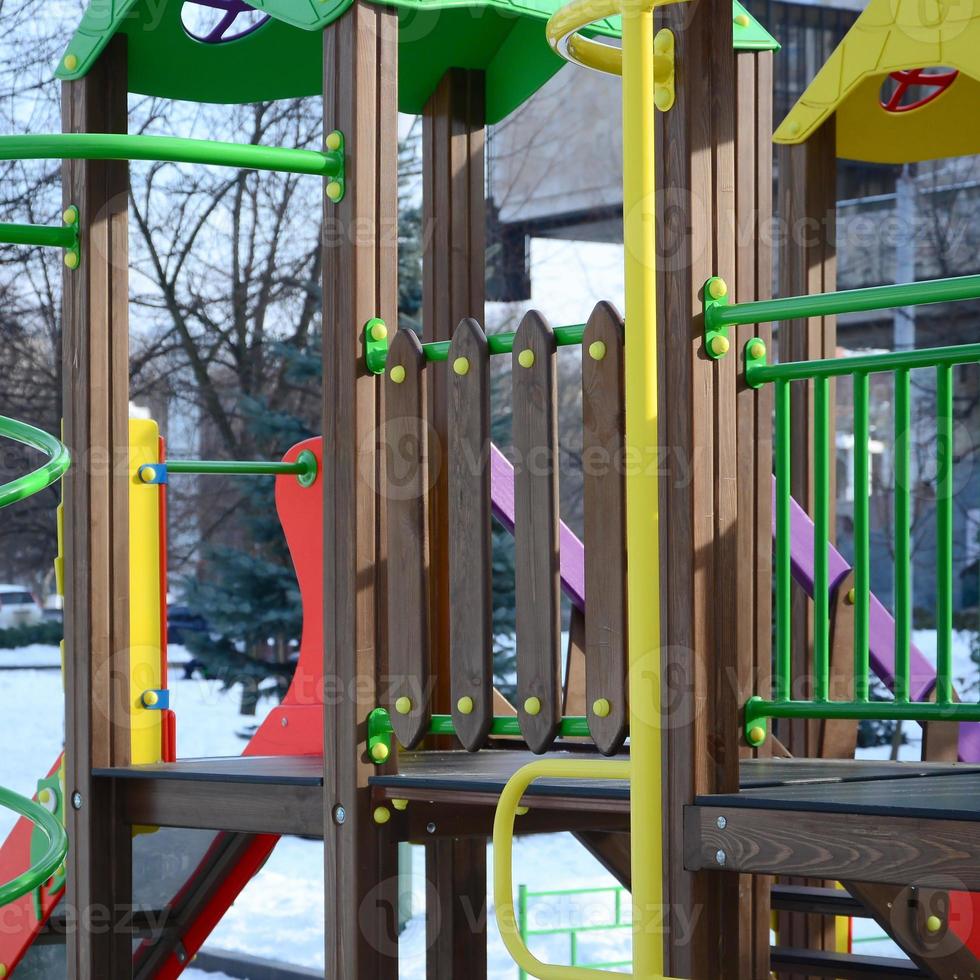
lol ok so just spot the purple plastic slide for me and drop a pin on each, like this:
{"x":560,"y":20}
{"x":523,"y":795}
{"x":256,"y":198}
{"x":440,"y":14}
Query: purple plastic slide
{"x":882,"y":626}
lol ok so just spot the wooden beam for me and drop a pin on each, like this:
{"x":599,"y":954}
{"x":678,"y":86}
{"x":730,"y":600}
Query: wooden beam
{"x":360,"y":271}
{"x":96,"y":493}
{"x":834,"y":846}
{"x":611,"y":850}
{"x":453,"y":289}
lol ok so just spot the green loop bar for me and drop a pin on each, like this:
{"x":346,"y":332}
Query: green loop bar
{"x":52,"y":858}
{"x":41,"y":478}
{"x":845,"y":301}
{"x":170,"y":149}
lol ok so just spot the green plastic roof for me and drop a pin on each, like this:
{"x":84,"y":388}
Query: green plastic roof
{"x":283,"y":58}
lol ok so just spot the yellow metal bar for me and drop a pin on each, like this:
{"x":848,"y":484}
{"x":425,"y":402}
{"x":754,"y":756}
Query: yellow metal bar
{"x":503,"y":879}
{"x":642,"y":489}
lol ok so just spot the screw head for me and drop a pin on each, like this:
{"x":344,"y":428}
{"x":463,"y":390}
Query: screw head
{"x":934,"y":924}
{"x":333,"y":140}
{"x":742,"y":20}
{"x":284,"y":722}
{"x":379,"y":330}
{"x":533,"y":706}
{"x":382,"y":815}
{"x":717,"y":288}
{"x":721,"y":857}
{"x":757,"y":350}
{"x":380,"y":752}
{"x":334,"y":190}
{"x":461,"y":366}
{"x":597,"y":350}
{"x":72,"y":259}
{"x":465,"y":705}
{"x":339,"y":815}
{"x":76,"y":800}
{"x":601,"y":708}
{"x":719,"y":345}
{"x":757,"y":735}
{"x":722,"y":823}
{"x":526,"y":358}
{"x":430,"y":827}
{"x":150,"y":699}
{"x":397,"y":374}
{"x":70,"y":215}
{"x":71,"y":62}
{"x":403,"y":705}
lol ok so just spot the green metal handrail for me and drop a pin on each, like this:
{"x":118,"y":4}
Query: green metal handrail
{"x":304,"y":468}
{"x":524,"y":896}
{"x":784,"y":704}
{"x":173,"y":149}
{"x":49,"y":862}
{"x":376,"y":343}
{"x":49,"y":236}
{"x":41,"y":478}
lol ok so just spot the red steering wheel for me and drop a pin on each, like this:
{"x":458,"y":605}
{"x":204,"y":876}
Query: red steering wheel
{"x":934,"y":82}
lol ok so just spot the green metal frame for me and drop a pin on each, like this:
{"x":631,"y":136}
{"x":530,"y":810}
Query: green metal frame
{"x":172,"y":149}
{"x":52,"y":858}
{"x":305,"y":468}
{"x":376,"y":343}
{"x":524,"y":896}
{"x":380,"y":731}
{"x":59,"y":459}
{"x":720,"y":313}
{"x":942,"y":360}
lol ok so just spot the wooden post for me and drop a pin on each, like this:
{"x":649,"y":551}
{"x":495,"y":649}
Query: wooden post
{"x":696,"y":208}
{"x":96,"y":491}
{"x":453,"y":288}
{"x":360,"y":270}
{"x":808,"y":264}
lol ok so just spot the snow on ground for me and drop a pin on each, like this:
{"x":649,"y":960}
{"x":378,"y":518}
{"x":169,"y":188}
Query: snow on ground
{"x":280,"y":913}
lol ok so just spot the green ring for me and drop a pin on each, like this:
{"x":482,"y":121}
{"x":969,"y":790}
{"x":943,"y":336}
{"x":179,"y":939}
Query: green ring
{"x":52,"y":859}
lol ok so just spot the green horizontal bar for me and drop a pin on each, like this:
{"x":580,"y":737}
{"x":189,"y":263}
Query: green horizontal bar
{"x":171,"y":149}
{"x":757,"y":708}
{"x":835,"y":367}
{"x":235,"y":467}
{"x":51,"y":236}
{"x":845,"y":301}
{"x":574,"y":726}
{"x":58,"y":462}
{"x":503,"y":343}
{"x":562,"y":892}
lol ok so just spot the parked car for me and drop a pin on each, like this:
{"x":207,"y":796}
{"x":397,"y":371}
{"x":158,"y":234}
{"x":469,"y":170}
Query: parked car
{"x":181,"y":621}
{"x":18,"y":607}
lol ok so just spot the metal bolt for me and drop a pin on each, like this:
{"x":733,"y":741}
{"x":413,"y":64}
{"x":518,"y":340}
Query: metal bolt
{"x":76,"y":800}
{"x":430,"y":827}
{"x":722,"y":823}
{"x":284,"y":722}
{"x":721,"y":857}
{"x":339,"y":814}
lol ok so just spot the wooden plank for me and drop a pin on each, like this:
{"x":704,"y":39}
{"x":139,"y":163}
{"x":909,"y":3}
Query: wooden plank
{"x":536,"y":574}
{"x":612,"y":851}
{"x":470,"y":541}
{"x":406,"y":438}
{"x":456,"y":907}
{"x":838,"y":739}
{"x":838,"y":846}
{"x":96,"y":492}
{"x":604,"y":496}
{"x":359,"y":282}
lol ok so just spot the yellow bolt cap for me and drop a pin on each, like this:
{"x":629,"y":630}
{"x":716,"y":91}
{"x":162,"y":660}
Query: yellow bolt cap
{"x":400,"y":804}
{"x":380,"y":752}
{"x":934,"y":923}
{"x":793,"y":127}
{"x":333,"y":141}
{"x":3,"y":970}
{"x":461,"y":366}
{"x":526,"y":358}
{"x":379,"y":331}
{"x":851,"y":597}
{"x":717,"y":288}
{"x":334,"y":190}
{"x":382,"y":814}
{"x":44,"y":796}
{"x":533,"y":706}
{"x":70,"y":215}
{"x":397,"y":374}
{"x":465,"y":705}
{"x":71,"y":63}
{"x":597,"y":350}
{"x":757,"y":735}
{"x":71,"y":259}
{"x":601,"y":708}
{"x":521,"y":810}
{"x":757,"y":349}
{"x":403,"y":705}
{"x":663,"y":97}
{"x":150,"y":698}
{"x":742,"y":20}
{"x":719,"y":345}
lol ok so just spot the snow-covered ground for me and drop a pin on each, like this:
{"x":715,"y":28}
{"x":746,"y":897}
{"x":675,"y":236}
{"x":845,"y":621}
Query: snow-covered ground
{"x":280,"y":913}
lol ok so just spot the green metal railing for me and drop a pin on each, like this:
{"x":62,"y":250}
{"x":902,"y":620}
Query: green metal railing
{"x":41,"y":478}
{"x":524,"y":896}
{"x":376,"y":343}
{"x":380,"y":730}
{"x":942,"y":362}
{"x":54,"y":853}
{"x":304,"y":468}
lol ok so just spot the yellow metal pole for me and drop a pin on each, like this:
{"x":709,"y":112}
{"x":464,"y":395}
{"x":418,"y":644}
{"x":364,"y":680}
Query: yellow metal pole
{"x":642,"y":489}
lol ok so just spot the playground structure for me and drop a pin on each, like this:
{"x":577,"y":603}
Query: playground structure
{"x":695,"y":758}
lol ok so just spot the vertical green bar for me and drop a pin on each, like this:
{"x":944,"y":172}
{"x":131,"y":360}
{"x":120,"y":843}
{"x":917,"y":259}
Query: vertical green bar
{"x":573,"y":936}
{"x":862,"y":540}
{"x":903,"y":520}
{"x":944,"y":534}
{"x":522,"y":923}
{"x":783,"y":544}
{"x":821,"y":539}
